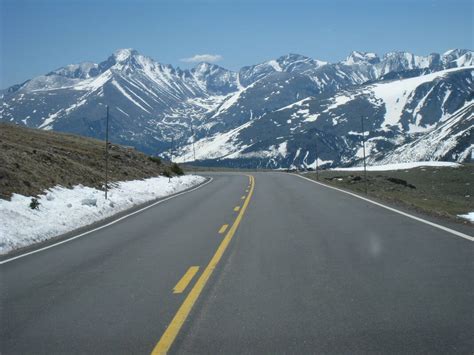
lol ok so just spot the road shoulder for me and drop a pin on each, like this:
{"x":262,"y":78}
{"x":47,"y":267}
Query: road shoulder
{"x":82,"y":231}
{"x":461,"y":230}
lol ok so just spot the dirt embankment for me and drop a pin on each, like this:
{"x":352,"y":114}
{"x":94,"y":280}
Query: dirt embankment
{"x":33,"y":160}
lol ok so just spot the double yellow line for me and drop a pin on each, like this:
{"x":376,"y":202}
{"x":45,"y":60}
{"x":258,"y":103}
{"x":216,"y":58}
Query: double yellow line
{"x":174,"y":327}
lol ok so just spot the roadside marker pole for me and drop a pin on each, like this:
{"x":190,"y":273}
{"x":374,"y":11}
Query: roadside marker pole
{"x":171,"y":155}
{"x":106,"y":151}
{"x":171,"y":149}
{"x":317,"y":158}
{"x":194,"y":150}
{"x":363,"y":149}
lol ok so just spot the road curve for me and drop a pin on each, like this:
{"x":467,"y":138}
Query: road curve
{"x":306,"y":269}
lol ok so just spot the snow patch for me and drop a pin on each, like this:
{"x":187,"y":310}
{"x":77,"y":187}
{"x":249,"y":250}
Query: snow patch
{"x":298,"y":103}
{"x":282,"y":149}
{"x":274,"y":64}
{"x":62,"y":210}
{"x":123,"y":54}
{"x":124,"y":93}
{"x":118,"y":108}
{"x":93,"y":84}
{"x":469,"y":216}
{"x":339,"y":101}
{"x":395,"y":94}
{"x":320,"y":163}
{"x":217,"y":146}
{"x":311,"y":118}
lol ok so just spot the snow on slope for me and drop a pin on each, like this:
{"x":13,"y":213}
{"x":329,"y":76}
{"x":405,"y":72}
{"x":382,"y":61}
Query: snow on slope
{"x":138,"y":85}
{"x":402,"y":166}
{"x":231,"y":100}
{"x":94,"y":83}
{"x":217,"y":146}
{"x":440,"y":141}
{"x":339,"y":100}
{"x":396,"y":94}
{"x":62,"y":210}
{"x":300,"y":103}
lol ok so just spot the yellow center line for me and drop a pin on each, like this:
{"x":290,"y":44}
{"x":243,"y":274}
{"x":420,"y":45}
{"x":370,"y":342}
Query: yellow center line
{"x":223,"y":228}
{"x":186,"y":279}
{"x":236,"y":208}
{"x":174,"y":327}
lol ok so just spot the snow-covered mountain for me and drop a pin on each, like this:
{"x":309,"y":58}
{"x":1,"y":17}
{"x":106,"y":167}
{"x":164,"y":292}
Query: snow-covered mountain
{"x":270,"y":114}
{"x":395,"y":113}
{"x":450,"y":140}
{"x":149,"y":102}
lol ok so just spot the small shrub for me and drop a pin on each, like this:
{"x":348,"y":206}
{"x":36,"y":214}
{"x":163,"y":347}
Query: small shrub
{"x":155,"y":160}
{"x":34,"y":204}
{"x":175,"y":168}
{"x":166,"y":173}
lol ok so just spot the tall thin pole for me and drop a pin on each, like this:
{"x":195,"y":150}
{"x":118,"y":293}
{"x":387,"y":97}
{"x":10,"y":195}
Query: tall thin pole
{"x":317,"y":158}
{"x":106,"y":151}
{"x":194,"y":150}
{"x":171,"y":155}
{"x":171,"y":149}
{"x":363,"y":149}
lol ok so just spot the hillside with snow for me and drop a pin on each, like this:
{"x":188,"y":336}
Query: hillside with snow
{"x":271,"y":114}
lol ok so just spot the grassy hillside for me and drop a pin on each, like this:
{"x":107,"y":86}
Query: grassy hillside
{"x":444,"y":192}
{"x":33,"y":160}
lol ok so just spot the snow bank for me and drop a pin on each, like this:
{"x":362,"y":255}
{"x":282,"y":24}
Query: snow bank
{"x":402,"y":166}
{"x":62,"y":210}
{"x":469,"y":216}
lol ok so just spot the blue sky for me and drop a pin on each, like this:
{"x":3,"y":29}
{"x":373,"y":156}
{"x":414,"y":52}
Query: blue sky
{"x":40,"y":35}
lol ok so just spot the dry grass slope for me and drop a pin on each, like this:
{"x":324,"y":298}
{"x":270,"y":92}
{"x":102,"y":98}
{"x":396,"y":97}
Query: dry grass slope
{"x":443,"y":192}
{"x":34,"y":160}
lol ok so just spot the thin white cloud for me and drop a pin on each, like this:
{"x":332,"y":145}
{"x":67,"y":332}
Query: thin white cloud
{"x":211,"y":58}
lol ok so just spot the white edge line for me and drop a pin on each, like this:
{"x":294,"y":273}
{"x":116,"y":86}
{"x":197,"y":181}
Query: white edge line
{"x":106,"y":225}
{"x":446,"y":229}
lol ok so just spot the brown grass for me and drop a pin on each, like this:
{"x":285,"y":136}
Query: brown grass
{"x":443,"y":192}
{"x":34,"y":160}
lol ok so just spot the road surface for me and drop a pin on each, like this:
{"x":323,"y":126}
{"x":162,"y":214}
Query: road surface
{"x":265,"y":264}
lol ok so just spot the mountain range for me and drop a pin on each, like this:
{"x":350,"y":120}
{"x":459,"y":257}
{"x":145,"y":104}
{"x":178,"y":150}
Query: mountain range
{"x":281,"y":113}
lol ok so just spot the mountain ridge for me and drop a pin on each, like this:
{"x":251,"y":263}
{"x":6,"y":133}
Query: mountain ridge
{"x":151,"y":102}
{"x":123,"y":54}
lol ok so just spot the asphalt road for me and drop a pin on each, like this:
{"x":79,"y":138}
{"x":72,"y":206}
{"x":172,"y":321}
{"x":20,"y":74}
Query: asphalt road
{"x":300,"y":268}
